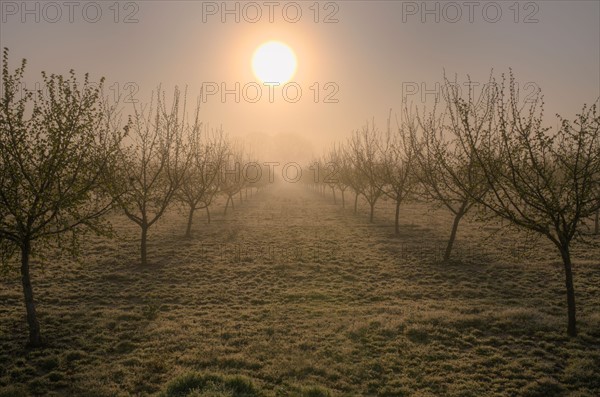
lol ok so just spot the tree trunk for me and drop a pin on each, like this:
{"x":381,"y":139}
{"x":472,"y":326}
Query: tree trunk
{"x":208,"y":214}
{"x":32,"y":321}
{"x":372,"y":212}
{"x":144,"y":245}
{"x":397,"y":219}
{"x":572,"y":325}
{"x":229,"y":200}
{"x":226,"y":205}
{"x":343,"y":200}
{"x":188,"y":231}
{"x":333,"y":192}
{"x":448,"y":251}
{"x":356,"y":202}
{"x":241,"y":197}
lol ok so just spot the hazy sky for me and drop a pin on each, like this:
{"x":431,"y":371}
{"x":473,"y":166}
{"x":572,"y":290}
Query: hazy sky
{"x":371,"y":54}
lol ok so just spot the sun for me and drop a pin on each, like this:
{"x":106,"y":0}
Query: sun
{"x":274,"y":62}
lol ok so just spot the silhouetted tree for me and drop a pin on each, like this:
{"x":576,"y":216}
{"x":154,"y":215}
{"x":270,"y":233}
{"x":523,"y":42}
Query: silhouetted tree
{"x":540,"y":180}
{"x":364,"y":155}
{"x":342,"y":168}
{"x":397,"y":161}
{"x":446,"y":170}
{"x":207,"y":151}
{"x":153,"y":162}
{"x":231,"y":180}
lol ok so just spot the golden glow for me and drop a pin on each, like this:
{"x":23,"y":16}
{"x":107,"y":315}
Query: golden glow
{"x":274,"y":62}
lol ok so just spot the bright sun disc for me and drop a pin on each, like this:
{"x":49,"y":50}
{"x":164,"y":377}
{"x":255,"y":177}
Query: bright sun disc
{"x":274,"y":62}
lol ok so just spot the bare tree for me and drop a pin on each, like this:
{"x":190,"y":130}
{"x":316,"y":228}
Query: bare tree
{"x":231,"y":180}
{"x":397,"y":159}
{"x":445,"y":169}
{"x":364,"y":155}
{"x":207,"y":151}
{"x":251,"y":172}
{"x":153,"y":163}
{"x":330,"y":172}
{"x":541,"y":181}
{"x":255,"y":174}
{"x":313,"y":175}
{"x":338,"y":170}
{"x":343,"y":169}
{"x":351,"y":175}
{"x":55,"y":150}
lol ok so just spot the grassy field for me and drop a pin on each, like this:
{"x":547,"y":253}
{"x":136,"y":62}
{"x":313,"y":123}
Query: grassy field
{"x":290,"y":295}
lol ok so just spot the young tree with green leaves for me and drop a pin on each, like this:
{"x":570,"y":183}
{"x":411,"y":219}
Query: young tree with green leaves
{"x":56,"y":148}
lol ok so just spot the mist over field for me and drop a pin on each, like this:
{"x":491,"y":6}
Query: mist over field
{"x":304,"y":199}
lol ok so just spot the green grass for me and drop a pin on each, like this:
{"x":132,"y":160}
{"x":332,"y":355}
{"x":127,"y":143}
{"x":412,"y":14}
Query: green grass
{"x":290,"y":295}
{"x":196,"y":385}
